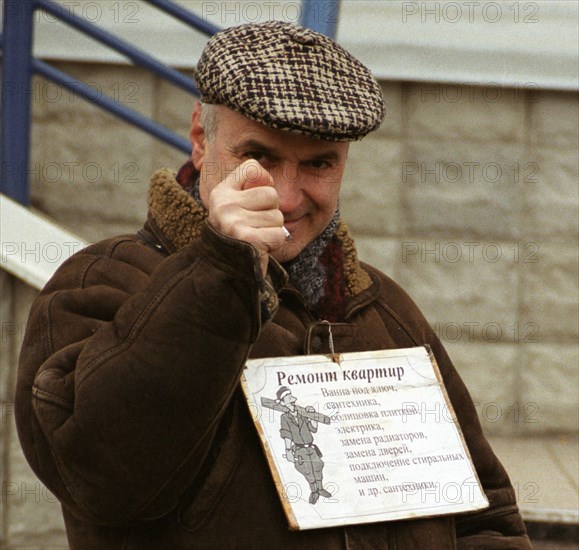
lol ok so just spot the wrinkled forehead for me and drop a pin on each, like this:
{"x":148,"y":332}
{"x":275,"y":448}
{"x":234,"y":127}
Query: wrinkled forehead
{"x":238,"y":131}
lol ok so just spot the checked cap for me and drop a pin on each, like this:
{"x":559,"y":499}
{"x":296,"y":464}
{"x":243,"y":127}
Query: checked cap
{"x":290,"y":78}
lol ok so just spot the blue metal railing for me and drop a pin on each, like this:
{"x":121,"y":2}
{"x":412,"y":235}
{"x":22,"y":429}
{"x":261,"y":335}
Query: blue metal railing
{"x":19,"y":65}
{"x":16,"y":76}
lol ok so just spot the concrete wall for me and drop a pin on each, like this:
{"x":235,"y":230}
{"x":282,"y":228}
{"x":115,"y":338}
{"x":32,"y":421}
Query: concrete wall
{"x":466,"y":196}
{"x":30,"y":515}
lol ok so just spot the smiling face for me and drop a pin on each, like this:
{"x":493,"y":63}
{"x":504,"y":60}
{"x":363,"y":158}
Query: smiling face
{"x":307,"y":173}
{"x":289,"y":401}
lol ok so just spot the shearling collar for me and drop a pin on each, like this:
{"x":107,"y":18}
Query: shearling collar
{"x":180,"y":218}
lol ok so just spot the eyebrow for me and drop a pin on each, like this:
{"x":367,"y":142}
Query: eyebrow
{"x":328,"y":155}
{"x":274,"y":154}
{"x":258,"y":146}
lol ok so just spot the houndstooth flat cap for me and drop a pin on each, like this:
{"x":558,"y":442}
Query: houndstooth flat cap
{"x":290,"y":78}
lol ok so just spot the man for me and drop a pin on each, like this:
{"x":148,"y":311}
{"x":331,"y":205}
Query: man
{"x":128,"y":405}
{"x":296,"y":430}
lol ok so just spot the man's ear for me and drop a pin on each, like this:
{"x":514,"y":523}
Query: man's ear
{"x":197,"y":137}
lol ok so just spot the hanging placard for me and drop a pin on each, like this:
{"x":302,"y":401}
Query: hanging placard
{"x":371,"y":437}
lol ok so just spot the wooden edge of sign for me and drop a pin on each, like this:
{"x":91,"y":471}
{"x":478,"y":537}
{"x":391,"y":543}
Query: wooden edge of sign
{"x":292,"y":521}
{"x":455,"y":419}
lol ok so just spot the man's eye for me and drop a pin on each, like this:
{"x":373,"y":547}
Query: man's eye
{"x":319,"y":164}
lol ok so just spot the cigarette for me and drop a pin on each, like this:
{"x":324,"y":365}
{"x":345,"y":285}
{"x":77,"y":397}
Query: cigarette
{"x":287,"y":234}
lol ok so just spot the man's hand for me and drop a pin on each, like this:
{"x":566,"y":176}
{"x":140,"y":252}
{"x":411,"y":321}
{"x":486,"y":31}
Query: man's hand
{"x":245,"y":206}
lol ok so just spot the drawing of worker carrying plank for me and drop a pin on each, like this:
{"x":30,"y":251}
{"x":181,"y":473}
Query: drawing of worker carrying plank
{"x":296,"y":429}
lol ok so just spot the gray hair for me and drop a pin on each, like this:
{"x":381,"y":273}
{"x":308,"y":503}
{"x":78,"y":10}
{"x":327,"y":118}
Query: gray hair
{"x":208,"y":119}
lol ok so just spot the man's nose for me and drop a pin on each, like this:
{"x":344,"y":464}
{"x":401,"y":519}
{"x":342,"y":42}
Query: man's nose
{"x":286,"y":180}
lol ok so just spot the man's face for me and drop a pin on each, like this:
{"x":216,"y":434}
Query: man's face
{"x":289,"y":401}
{"x":307,"y":173}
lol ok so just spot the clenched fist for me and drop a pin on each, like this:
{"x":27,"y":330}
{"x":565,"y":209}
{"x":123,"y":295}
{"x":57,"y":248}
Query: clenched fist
{"x":245,"y":206}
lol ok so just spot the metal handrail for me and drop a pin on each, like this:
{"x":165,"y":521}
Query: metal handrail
{"x":19,"y":65}
{"x":129,"y":115}
{"x":180,"y":13}
{"x":135,"y":54}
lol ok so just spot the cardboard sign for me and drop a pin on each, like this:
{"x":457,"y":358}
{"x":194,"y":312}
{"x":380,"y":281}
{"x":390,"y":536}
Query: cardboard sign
{"x":370,"y":438}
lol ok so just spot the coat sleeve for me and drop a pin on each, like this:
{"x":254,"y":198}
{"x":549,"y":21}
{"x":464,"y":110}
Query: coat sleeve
{"x":129,"y":362}
{"x":499,"y":527}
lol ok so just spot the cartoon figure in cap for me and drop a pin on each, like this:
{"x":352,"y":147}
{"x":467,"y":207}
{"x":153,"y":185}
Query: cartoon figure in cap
{"x":296,"y":430}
